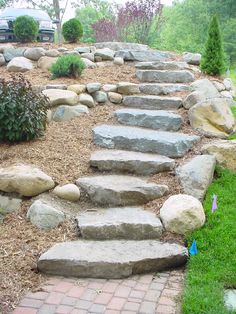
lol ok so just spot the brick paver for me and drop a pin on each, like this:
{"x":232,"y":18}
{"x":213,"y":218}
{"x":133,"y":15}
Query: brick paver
{"x":144,"y":294}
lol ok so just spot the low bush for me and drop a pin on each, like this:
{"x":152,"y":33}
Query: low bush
{"x":69,"y":66}
{"x":25,"y":29}
{"x":23,"y":113}
{"x":72,"y":30}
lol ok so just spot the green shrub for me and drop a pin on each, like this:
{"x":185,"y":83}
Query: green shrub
{"x":213,"y":57}
{"x":72,"y":30}
{"x":25,"y":29}
{"x":68,"y":65}
{"x":23,"y":113}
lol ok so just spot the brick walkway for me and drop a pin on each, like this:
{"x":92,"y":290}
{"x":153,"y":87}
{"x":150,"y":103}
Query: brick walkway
{"x":154,"y":294}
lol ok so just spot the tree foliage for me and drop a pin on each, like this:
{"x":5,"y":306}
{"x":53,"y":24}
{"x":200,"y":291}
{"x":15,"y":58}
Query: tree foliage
{"x":72,"y":30}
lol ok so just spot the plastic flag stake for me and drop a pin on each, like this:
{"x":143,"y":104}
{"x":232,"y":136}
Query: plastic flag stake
{"x":193,"y":249}
{"x":214,"y":203}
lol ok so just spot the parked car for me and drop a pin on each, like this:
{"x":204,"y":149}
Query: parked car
{"x":8,"y":16}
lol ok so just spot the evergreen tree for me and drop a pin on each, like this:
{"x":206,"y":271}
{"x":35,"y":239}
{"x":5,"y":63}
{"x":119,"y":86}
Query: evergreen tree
{"x":213,"y":57}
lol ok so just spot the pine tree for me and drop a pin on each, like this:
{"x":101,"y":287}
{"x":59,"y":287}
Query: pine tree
{"x":213,"y":57}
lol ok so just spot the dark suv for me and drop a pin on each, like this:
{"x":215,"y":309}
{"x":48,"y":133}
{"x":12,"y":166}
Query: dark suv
{"x":7,"y":17}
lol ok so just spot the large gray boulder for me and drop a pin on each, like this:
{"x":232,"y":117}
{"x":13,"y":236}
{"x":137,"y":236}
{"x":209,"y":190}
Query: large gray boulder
{"x":61,"y":97}
{"x":45,"y":63}
{"x":147,"y":141}
{"x":120,"y":190}
{"x":20,"y":64}
{"x":164,"y":76}
{"x":111,"y":259}
{"x":66,"y":113}
{"x":88,"y":63}
{"x":25,"y":180}
{"x":34,"y":53}
{"x":137,"y":55}
{"x":192,"y":58}
{"x":130,"y":162}
{"x":182,"y":214}
{"x":152,"y":119}
{"x":131,"y":223}
{"x":196,"y":175}
{"x":2,"y":60}
{"x":82,"y":49}
{"x":161,"y":65}
{"x":206,"y":87}
{"x":152,"y":102}
{"x":162,"y":89}
{"x":105,"y":53}
{"x":11,"y":53}
{"x":121,"y":46}
{"x":52,"y":53}
{"x":44,"y":216}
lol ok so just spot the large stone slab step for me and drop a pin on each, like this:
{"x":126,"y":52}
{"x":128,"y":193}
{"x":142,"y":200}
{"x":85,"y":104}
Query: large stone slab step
{"x":131,"y":223}
{"x":131,"y":162}
{"x":111,"y":259}
{"x":152,"y":119}
{"x":162,"y":88}
{"x":162,"y":65}
{"x":170,"y":144}
{"x":152,"y":102}
{"x":165,"y":76}
{"x":120,"y":190}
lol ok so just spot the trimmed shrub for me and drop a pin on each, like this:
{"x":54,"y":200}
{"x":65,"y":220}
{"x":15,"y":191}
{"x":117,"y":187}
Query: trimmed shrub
{"x":72,"y":30}
{"x":23,"y":113}
{"x":68,"y":65}
{"x":25,"y":29}
{"x":213,"y":57}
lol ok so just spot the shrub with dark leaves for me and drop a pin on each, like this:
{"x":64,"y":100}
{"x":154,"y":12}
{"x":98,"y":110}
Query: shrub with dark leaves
{"x":67,"y":66}
{"x":23,"y":112}
{"x":105,"y":30}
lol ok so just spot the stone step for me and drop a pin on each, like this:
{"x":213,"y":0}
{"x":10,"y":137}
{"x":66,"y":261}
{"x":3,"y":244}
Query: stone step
{"x":163,"y":76}
{"x":152,"y":119}
{"x":120,"y":190}
{"x":162,"y":88}
{"x":153,"y":102}
{"x":169,"y":144}
{"x":131,"y":223}
{"x":131,"y":162}
{"x":162,"y":65}
{"x":111,"y":259}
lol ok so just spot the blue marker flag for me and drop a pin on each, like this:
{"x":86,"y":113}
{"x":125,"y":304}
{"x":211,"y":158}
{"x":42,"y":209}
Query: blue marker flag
{"x":193,"y":248}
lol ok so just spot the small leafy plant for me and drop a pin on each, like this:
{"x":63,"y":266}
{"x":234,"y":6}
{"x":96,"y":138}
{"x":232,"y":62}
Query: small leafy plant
{"x":25,"y":29}
{"x":72,"y":30}
{"x":23,"y":112}
{"x":68,"y":65}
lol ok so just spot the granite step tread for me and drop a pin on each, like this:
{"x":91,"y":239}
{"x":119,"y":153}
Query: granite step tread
{"x":165,"y":76}
{"x":170,"y":144}
{"x":130,"y":162}
{"x":152,"y":102}
{"x":131,"y":223}
{"x":162,"y":65}
{"x":152,"y":119}
{"x":111,"y":259}
{"x":162,"y":88}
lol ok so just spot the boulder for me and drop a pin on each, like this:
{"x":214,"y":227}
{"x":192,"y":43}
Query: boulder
{"x":52,"y":53}
{"x":93,"y":87}
{"x":34,"y":53}
{"x":87,"y":100}
{"x":44,"y":216}
{"x":218,"y":85}
{"x":89,"y":64}
{"x":105,"y":53}
{"x":213,"y":117}
{"x":109,"y":88}
{"x":25,"y":180}
{"x":45,"y":63}
{"x":66,"y":113}
{"x":89,"y":56}
{"x":69,"y":192}
{"x":224,"y":152}
{"x":161,"y":89}
{"x":121,"y":46}
{"x":5,"y":46}
{"x":226,"y":94}
{"x":2,"y":60}
{"x":11,"y":53}
{"x":228,"y":84}
{"x":165,"y":76}
{"x":56,"y":86}
{"x":115,"y":98}
{"x":192,"y":58}
{"x":119,"y":61}
{"x":77,"y":88}
{"x":20,"y":64}
{"x":182,"y":214}
{"x":127,"y":88}
{"x":206,"y":87}
{"x":138,"y":55}
{"x":61,"y":97}
{"x":82,"y":49}
{"x":193,"y":99}
{"x":100,"y":97}
{"x":196,"y":175}
{"x":152,"y":102}
{"x":8,"y":205}
{"x":161,"y":65}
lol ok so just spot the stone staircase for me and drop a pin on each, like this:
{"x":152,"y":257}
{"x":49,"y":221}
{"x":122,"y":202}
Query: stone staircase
{"x":124,"y":239}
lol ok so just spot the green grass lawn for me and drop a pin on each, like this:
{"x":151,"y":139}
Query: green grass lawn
{"x":233,"y":73}
{"x":214,"y":267}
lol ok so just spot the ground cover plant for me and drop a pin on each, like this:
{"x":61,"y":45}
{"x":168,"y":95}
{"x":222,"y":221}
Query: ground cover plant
{"x":213,"y":269}
{"x":69,"y":66}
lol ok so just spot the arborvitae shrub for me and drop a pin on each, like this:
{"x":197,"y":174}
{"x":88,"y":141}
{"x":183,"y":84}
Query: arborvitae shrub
{"x":67,"y":65}
{"x":213,"y":57}
{"x":72,"y":30}
{"x":25,"y":29}
{"x":23,"y":112}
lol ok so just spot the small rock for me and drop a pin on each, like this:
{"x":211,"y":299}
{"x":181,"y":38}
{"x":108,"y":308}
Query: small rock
{"x":105,"y":53}
{"x":66,"y":113}
{"x":69,"y":192}
{"x":44,"y":216}
{"x":2,"y":60}
{"x":20,"y":64}
{"x":52,"y":53}
{"x":56,"y":86}
{"x":8,"y":205}
{"x":45,"y":63}
{"x":34,"y":53}
{"x":127,"y":88}
{"x":192,"y":58}
{"x":228,"y":84}
{"x":77,"y":88}
{"x":82,"y":49}
{"x":89,"y":56}
{"x":98,"y":59}
{"x":61,"y":97}
{"x":100,"y":97}
{"x":49,"y":116}
{"x":89,"y":64}
{"x":226,"y":94}
{"x":62,"y":49}
{"x":115,"y":98}
{"x":109,"y":88}
{"x":119,"y":61}
{"x":87,"y":100}
{"x":218,"y":85}
{"x":182,"y":213}
{"x":93,"y":87}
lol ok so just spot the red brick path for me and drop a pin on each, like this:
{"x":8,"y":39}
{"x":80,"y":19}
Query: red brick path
{"x":154,"y":294}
